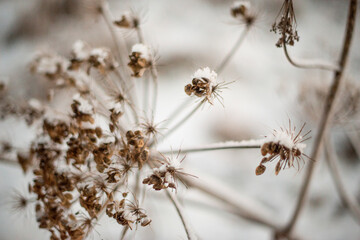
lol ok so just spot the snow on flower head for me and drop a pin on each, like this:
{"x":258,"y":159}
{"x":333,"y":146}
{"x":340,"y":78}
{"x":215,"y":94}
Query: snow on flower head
{"x":206,"y":73}
{"x":83,"y":105}
{"x":81,"y":50}
{"x":286,"y":146}
{"x":142,"y":49}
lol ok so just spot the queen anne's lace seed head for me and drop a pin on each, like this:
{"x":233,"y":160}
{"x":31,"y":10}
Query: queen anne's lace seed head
{"x":140,"y":59}
{"x":127,"y":20}
{"x":203,"y":84}
{"x":286,"y":146}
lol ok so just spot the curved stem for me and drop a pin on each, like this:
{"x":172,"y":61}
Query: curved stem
{"x":189,"y":232}
{"x":324,"y":122}
{"x":348,"y":201}
{"x":233,"y":50}
{"x":310,"y":64}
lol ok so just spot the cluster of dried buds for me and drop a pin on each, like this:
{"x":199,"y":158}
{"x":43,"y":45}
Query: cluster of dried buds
{"x":285,"y":146}
{"x":135,"y":148}
{"x":127,"y":20}
{"x":242,"y":10}
{"x":203,"y":84}
{"x":166,"y":175}
{"x":140,"y":59}
{"x":127,"y":213}
{"x":286,"y":26}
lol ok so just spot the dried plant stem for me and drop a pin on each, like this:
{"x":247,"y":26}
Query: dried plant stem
{"x":105,"y":11}
{"x":246,"y":209}
{"x":154,"y":76}
{"x":189,"y":232}
{"x":182,"y":121}
{"x":123,"y":232}
{"x":218,"y":146}
{"x":233,"y":50}
{"x":310,"y":64}
{"x":348,"y":201}
{"x":325,"y":117}
{"x":139,"y":34}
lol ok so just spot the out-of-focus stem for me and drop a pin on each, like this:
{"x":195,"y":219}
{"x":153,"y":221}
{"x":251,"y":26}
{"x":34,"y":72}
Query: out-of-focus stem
{"x":324,"y":122}
{"x":348,"y":201}
{"x":233,"y":50}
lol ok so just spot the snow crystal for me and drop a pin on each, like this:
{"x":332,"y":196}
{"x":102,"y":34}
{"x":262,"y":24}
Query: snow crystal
{"x":286,"y":139}
{"x":101,"y":54}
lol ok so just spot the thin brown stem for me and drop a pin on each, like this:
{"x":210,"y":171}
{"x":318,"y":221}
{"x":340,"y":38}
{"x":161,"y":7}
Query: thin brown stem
{"x":325,"y":117}
{"x":310,"y":64}
{"x":348,"y":201}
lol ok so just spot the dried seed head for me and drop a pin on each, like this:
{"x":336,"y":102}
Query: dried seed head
{"x":242,"y":11}
{"x":140,"y":59}
{"x":203,"y":84}
{"x":127,"y":20}
{"x":286,"y":26}
{"x":286,"y":146}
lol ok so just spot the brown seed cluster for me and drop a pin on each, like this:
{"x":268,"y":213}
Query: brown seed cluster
{"x":284,"y":147}
{"x":242,"y":10}
{"x":127,"y":20}
{"x":139,"y":60}
{"x":166,"y":175}
{"x":286,"y":26}
{"x":127,"y":213}
{"x":203,"y":84}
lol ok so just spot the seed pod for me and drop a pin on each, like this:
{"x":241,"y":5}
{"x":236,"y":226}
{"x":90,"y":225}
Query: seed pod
{"x":260,"y":170}
{"x":278,"y":167}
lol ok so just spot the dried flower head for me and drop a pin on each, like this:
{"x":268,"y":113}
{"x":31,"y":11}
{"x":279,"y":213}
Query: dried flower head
{"x":127,"y":20}
{"x":140,"y":59}
{"x":286,"y":26}
{"x":242,"y":10}
{"x":166,"y":175}
{"x":204,"y":84}
{"x":286,"y":146}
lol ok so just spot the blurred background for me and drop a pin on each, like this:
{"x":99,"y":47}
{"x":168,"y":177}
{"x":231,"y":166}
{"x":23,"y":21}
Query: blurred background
{"x":266,"y":92}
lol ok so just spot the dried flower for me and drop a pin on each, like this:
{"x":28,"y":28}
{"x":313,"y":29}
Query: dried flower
{"x":166,"y":175}
{"x":285,"y":145}
{"x":140,"y":59}
{"x":204,"y":84}
{"x":286,"y":26}
{"x":127,"y":20}
{"x":242,"y":10}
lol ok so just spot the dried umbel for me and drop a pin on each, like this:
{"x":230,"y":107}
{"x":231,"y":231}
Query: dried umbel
{"x":127,"y":20}
{"x":166,"y":175}
{"x":286,"y":26}
{"x":140,"y":59}
{"x":86,"y":56}
{"x":242,"y":10}
{"x":203,"y":85}
{"x":286,"y":146}
{"x":127,"y":213}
